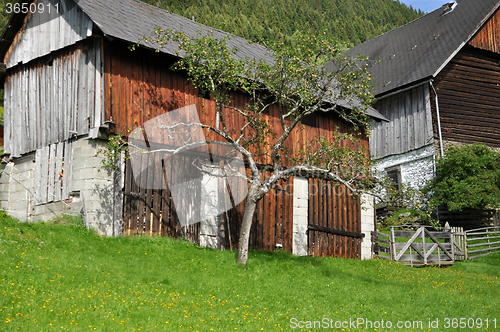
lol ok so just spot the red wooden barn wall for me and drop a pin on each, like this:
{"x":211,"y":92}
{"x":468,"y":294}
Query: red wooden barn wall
{"x":139,"y":86}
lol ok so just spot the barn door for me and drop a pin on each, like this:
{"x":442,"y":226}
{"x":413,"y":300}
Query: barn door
{"x":150,"y":211}
{"x":334,"y":225}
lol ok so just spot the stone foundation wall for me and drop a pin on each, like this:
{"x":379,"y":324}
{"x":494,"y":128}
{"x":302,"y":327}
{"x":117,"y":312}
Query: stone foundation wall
{"x":92,"y":193}
{"x":417,"y":167}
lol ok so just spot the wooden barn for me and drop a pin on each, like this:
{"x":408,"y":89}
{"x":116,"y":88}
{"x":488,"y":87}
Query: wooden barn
{"x":71,"y":82}
{"x":438,"y":82}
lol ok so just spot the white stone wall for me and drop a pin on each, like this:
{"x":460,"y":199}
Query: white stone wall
{"x":367,"y":225}
{"x":91,"y":195}
{"x":417,"y":167}
{"x":300,"y":216}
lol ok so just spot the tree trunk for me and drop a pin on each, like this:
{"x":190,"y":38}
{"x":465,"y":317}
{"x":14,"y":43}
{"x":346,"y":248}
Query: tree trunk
{"x":246,"y":225}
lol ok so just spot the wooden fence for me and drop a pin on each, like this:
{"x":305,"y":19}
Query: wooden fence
{"x":457,"y":243}
{"x":416,"y":248}
{"x":476,"y":242}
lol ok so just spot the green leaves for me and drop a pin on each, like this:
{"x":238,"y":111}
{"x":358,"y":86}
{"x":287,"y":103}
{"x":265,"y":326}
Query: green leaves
{"x":467,"y":178}
{"x":294,"y":79}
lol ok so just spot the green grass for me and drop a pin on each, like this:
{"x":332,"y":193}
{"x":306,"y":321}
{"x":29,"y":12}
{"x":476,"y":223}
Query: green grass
{"x":61,"y":277}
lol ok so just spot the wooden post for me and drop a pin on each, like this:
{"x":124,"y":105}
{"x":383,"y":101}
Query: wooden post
{"x":452,"y":242}
{"x":465,"y":245}
{"x":393,"y":246}
{"x":423,"y":245}
{"x":374,"y":243}
{"x":488,"y":236}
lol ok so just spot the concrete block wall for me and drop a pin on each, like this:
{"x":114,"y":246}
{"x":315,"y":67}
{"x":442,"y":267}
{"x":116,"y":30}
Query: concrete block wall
{"x":367,"y":225}
{"x":300,"y":216}
{"x":92,"y":192}
{"x":210,"y":200}
{"x":17,"y":187}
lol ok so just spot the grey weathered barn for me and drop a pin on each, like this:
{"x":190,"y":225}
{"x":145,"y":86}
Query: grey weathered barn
{"x":438,"y":81}
{"x":71,"y":81}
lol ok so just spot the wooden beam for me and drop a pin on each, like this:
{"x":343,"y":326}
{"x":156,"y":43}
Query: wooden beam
{"x":336,"y":231}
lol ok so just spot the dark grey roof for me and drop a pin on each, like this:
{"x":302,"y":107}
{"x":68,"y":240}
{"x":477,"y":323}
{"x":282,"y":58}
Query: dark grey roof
{"x":131,"y":20}
{"x":419,"y":50}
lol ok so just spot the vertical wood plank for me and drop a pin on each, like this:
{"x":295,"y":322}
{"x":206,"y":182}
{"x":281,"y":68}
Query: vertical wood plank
{"x":428,"y":116}
{"x":52,"y":172}
{"x":107,"y":72}
{"x":83,"y":92}
{"x":74,"y":92}
{"x":67,"y":110}
{"x":59,"y":175}
{"x":60,"y":93}
{"x":38,"y":177}
{"x":25,"y":112}
{"x":127,"y":198}
{"x":98,"y":84}
{"x":44,"y":178}
{"x":42,"y":106}
{"x":68,"y":168}
{"x":91,"y":85}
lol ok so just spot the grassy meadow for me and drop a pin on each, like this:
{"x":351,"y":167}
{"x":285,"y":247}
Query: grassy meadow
{"x":58,"y":276}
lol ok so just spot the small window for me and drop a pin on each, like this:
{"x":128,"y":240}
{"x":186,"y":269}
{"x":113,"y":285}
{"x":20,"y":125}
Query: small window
{"x":449,"y":7}
{"x":394,"y":174}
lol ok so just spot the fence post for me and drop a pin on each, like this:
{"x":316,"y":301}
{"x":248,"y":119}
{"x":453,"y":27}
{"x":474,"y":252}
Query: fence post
{"x":488,"y":236}
{"x":452,"y":242}
{"x":374,"y":244}
{"x":392,"y":246}
{"x":423,"y":244}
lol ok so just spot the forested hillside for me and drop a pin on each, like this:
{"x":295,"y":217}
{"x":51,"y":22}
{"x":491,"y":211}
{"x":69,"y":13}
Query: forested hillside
{"x":351,"y":21}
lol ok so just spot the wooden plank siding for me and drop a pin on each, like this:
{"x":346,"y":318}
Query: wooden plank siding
{"x":53,"y":98}
{"x":43,"y":34}
{"x":334,"y":221}
{"x":148,"y":214}
{"x":53,"y":172}
{"x":410,"y":125}
{"x":488,"y":37}
{"x":468,"y":90}
{"x":141,"y":86}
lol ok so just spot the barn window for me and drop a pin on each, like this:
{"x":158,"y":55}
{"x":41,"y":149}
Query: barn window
{"x":394,"y":175}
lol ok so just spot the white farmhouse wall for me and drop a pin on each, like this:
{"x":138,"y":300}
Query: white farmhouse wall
{"x":417,"y":166}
